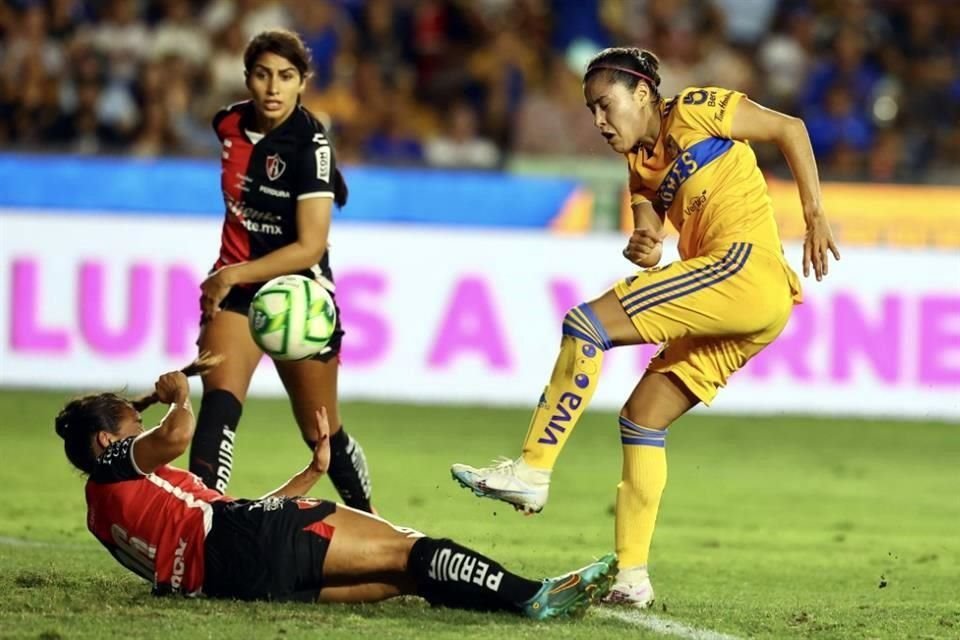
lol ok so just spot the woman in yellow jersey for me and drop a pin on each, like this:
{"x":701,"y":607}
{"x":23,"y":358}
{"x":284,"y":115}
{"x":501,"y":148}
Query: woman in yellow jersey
{"x":729,"y":296}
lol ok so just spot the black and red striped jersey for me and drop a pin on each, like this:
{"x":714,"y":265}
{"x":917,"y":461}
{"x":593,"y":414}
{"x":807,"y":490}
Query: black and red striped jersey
{"x":264,"y":176}
{"x":154,"y":524}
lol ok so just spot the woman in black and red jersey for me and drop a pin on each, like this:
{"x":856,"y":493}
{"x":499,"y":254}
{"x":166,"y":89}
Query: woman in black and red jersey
{"x":280,"y":181}
{"x":166,"y":526}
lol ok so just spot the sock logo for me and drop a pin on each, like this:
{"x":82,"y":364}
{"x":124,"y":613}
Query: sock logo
{"x":359,"y":462}
{"x":447,"y":566}
{"x":225,"y":459}
{"x":561,"y":417}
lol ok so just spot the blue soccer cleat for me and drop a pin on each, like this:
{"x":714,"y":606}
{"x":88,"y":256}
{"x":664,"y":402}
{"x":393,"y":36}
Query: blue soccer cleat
{"x":571,"y":594}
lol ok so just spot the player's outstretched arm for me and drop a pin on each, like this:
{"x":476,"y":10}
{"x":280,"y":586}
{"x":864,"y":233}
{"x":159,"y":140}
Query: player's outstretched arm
{"x":168,"y":440}
{"x":300,"y":484}
{"x":757,"y":123}
{"x":313,"y":227}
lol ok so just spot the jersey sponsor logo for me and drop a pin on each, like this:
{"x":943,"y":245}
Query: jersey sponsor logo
{"x":179,"y":564}
{"x":306,"y":503}
{"x":690,"y":161}
{"x":561,"y":418}
{"x":722,"y":111}
{"x":701,"y":96}
{"x":696,"y":205}
{"x":242,"y":180}
{"x":270,"y":191}
{"x":275,"y":166}
{"x":246,"y":212}
{"x":323,"y":163}
{"x":261,"y":227}
{"x":322,"y":156}
{"x":270,"y":503}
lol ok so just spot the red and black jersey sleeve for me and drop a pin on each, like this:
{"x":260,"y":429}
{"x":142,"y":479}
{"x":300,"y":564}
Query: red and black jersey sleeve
{"x":219,"y":117}
{"x":116,"y":463}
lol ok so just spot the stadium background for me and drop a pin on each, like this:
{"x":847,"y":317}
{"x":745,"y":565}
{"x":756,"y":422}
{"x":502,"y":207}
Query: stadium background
{"x":483,"y":204}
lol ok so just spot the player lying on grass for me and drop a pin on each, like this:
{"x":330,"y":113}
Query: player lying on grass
{"x":166,"y":526}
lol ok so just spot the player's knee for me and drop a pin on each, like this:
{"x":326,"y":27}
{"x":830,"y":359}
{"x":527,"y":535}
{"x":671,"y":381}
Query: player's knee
{"x":639,"y":415}
{"x":582,"y":323}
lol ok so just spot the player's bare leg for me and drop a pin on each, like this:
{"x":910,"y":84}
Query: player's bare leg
{"x":369,"y":592}
{"x":365,"y":547}
{"x":224,"y":391}
{"x":369,"y":560}
{"x":312,"y":384}
{"x":588,"y":331}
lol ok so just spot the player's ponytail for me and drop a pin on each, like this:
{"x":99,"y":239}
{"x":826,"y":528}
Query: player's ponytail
{"x":205,"y":362}
{"x":627,"y":65}
{"x":80,"y":420}
{"x":340,"y":191}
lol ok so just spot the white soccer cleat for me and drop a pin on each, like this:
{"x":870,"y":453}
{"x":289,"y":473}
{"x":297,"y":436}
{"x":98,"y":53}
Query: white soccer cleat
{"x":512,"y":481}
{"x":632,"y":588}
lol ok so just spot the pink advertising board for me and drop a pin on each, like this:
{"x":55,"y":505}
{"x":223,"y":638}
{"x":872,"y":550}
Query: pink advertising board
{"x":461,"y":316}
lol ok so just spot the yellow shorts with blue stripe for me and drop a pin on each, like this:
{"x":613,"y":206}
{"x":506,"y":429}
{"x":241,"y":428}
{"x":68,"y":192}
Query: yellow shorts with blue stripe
{"x":711,"y":313}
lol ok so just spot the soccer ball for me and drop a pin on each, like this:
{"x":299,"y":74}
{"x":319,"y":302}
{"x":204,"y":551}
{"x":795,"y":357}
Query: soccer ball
{"x":292,"y":318}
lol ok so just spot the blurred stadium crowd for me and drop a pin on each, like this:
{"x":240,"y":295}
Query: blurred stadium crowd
{"x":467,"y":83}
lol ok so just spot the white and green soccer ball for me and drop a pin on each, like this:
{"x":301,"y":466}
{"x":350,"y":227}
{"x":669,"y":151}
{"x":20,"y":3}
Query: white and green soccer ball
{"x":292,"y":318}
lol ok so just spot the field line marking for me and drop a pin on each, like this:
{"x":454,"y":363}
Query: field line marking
{"x":663,"y":626}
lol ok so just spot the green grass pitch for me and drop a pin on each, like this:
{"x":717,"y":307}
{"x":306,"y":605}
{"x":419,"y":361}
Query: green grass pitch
{"x":771,"y":527}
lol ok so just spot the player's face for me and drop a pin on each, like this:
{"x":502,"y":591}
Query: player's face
{"x":617,"y":112}
{"x":130,"y":424}
{"x":274,"y":84}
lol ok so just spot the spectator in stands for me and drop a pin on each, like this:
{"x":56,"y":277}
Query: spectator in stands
{"x":898,"y":62}
{"x":179,"y":34}
{"x":550,"y":119}
{"x":838,"y":123}
{"x":461,"y":145}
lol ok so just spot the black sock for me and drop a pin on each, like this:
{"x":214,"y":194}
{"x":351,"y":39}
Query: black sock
{"x":211,"y":452}
{"x":348,"y":470}
{"x":450,"y":575}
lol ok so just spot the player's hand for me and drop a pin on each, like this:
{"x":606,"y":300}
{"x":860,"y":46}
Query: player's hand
{"x":643,"y":243}
{"x":172,"y":388}
{"x":321,"y":453}
{"x":212,"y":292}
{"x":816,"y":244}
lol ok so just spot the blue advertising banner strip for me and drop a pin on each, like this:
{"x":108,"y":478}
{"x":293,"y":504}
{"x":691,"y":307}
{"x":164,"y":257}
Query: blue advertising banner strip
{"x":189,"y":187}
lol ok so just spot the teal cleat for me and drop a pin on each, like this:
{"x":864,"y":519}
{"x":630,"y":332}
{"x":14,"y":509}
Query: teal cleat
{"x":571,"y":594}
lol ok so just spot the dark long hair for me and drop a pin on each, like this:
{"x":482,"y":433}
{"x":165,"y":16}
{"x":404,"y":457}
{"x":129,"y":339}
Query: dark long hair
{"x":627,"y":65}
{"x":290,"y":46}
{"x":82,"y":418}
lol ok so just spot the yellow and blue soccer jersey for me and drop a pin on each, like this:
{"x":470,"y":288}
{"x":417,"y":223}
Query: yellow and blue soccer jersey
{"x":706,"y":183}
{"x":732,"y":292}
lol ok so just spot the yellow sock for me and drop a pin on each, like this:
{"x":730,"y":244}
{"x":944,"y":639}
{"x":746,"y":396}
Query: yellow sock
{"x":571,"y":388}
{"x":638,"y":494}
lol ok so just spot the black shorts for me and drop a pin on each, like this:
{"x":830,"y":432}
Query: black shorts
{"x":239,"y":298}
{"x":270,"y":549}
